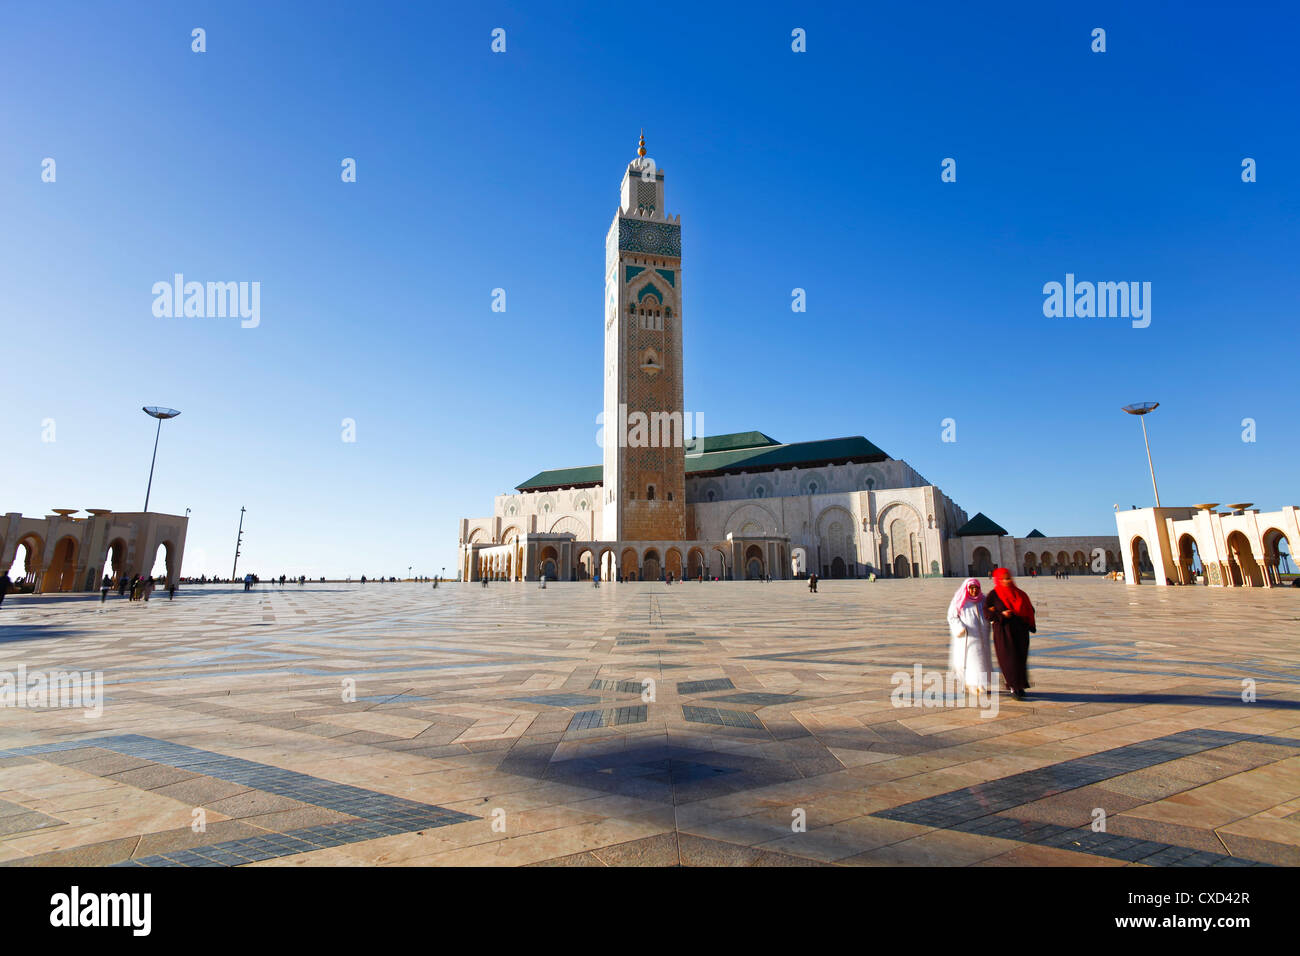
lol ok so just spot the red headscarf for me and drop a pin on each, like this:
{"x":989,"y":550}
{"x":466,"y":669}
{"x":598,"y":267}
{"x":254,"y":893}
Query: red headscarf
{"x":1014,"y":598}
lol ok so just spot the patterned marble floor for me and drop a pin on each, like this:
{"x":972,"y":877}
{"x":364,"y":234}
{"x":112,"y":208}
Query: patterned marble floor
{"x":693,"y":724}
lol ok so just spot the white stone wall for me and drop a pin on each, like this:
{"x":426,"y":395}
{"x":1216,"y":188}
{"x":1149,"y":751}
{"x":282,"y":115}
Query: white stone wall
{"x":866,"y":515}
{"x":891,"y":473}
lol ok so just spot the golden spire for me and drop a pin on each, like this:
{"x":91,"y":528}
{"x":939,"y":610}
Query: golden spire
{"x":640,"y":150}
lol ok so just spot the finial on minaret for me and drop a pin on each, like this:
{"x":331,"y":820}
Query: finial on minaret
{"x":640,"y":150}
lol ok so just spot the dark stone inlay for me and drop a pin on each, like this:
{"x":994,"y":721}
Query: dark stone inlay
{"x":980,"y":809}
{"x":377,"y":814}
{"x":587,"y":719}
{"x":723,"y":718}
{"x":703,"y":686}
{"x":622,"y":686}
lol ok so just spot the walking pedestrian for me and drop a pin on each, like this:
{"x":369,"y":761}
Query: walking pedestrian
{"x":1011,"y":616}
{"x":968,"y":653}
{"x":812,"y":583}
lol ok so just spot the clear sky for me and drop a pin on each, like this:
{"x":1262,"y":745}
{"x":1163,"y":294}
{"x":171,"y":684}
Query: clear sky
{"x":479,"y":170}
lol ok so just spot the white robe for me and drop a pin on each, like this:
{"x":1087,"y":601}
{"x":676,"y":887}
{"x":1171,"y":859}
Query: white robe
{"x":969,"y":657}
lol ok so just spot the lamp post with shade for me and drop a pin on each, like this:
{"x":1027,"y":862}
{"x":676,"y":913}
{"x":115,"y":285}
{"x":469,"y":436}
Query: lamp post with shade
{"x":1142,"y":409}
{"x":160,"y":413}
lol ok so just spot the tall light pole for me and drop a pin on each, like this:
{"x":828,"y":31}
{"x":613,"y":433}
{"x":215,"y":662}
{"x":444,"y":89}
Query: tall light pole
{"x":238,"y":538}
{"x":160,"y":413}
{"x":1142,"y":409}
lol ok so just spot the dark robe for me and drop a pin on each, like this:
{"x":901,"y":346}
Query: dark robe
{"x":1010,"y":641}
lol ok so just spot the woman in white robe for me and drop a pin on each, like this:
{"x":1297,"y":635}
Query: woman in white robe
{"x":969,"y":656}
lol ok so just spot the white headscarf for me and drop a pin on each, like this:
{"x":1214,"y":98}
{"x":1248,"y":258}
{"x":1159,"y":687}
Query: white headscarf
{"x":961,"y":598}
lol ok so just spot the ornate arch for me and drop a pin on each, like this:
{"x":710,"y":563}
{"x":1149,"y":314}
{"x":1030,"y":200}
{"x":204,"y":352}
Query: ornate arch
{"x":568,"y":524}
{"x":751,"y":512}
{"x":900,"y":527}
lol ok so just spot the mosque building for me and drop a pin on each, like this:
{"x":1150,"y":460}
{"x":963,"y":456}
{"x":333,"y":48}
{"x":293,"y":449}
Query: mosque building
{"x":664,"y":504}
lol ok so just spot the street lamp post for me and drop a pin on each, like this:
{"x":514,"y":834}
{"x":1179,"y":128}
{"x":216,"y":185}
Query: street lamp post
{"x":1142,"y":409}
{"x":238,"y":538}
{"x":160,"y":413}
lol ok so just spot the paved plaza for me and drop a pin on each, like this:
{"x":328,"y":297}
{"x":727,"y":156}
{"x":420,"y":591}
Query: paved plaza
{"x":698,"y":724}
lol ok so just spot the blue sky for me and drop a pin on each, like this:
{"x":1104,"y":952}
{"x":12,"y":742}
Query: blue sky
{"x":817,"y":170}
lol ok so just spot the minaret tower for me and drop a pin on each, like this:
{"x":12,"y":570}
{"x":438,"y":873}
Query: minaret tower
{"x":645,"y":459}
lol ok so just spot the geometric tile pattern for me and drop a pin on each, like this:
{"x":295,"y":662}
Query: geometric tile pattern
{"x":340,"y":725}
{"x":374,"y":814}
{"x":982,"y":809}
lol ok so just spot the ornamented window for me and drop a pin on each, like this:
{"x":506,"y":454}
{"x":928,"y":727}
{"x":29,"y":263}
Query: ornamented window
{"x":711,"y":494}
{"x":812,"y":487}
{"x":650,"y":493}
{"x":645,"y":195}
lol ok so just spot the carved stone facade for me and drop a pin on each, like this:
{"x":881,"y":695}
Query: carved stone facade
{"x":65,"y":553}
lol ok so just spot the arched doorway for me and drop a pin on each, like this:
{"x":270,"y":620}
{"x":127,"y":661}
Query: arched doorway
{"x":1189,"y":560}
{"x":902,"y":567}
{"x":61,"y":575}
{"x":673,"y":564}
{"x":586,"y":565}
{"x":627,"y":564}
{"x":1245,"y":570}
{"x":1031,"y":564}
{"x":837,"y":567}
{"x":115,"y":560}
{"x":650,"y":570}
{"x":32,"y":549}
{"x":694,"y":563}
{"x":754,"y":563}
{"x":718,"y":564}
{"x":548,"y":563}
{"x":981,"y":562}
{"x":1279,"y":558}
{"x":1140,"y":557}
{"x":1079,"y":563}
{"x":162,"y":563}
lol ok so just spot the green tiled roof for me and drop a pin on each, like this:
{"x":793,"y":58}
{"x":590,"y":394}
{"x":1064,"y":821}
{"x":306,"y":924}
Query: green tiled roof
{"x":738,"y":440}
{"x":1035,"y":534}
{"x":564,"y":478}
{"x":741,"y":451}
{"x":980,"y":524}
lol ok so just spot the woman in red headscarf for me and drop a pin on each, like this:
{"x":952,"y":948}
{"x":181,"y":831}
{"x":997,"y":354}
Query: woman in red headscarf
{"x":1011,"y":616}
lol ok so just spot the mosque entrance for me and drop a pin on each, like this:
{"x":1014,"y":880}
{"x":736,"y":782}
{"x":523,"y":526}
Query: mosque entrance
{"x":902,"y":567}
